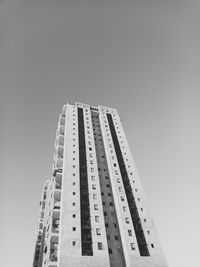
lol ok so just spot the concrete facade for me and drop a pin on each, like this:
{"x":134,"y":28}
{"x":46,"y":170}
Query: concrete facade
{"x":94,"y":213}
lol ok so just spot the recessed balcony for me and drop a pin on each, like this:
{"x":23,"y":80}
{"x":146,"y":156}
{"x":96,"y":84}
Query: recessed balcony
{"x":62,"y":121}
{"x":57,"y":195}
{"x":61,"y":140}
{"x":62,"y":130}
{"x":53,"y":257}
{"x":60,"y":152}
{"x":58,"y":178}
{"x":58,"y":163}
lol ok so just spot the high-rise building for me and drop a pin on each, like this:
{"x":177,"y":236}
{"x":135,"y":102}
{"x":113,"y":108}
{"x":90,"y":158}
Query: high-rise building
{"x":93,"y":210}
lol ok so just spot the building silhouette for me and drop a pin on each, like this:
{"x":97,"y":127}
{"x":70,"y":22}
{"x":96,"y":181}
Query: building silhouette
{"x":93,"y":211}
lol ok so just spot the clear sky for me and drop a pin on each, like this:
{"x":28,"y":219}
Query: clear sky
{"x":141,"y":57}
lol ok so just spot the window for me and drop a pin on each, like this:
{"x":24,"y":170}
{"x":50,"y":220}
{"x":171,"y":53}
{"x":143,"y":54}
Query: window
{"x":73,"y":204}
{"x":122,"y":198}
{"x":132,"y":246}
{"x":94,"y":196}
{"x":107,"y":185}
{"x":73,"y":183}
{"x":148,"y":232}
{"x":90,"y":148}
{"x":109,"y":194}
{"x":118,"y":180}
{"x":93,"y":186}
{"x":141,"y":209}
{"x":145,"y":220}
{"x":96,"y":218}
{"x":116,"y":237}
{"x":115,"y":165}
{"x":129,"y":232}
{"x":111,"y":204}
{"x":73,"y":228}
{"x":116,"y":172}
{"x":98,"y":231}
{"x":100,"y":246}
{"x":127,"y":219}
{"x":73,"y":243}
{"x":95,"y":206}
{"x":115,"y":225}
{"x":106,"y":224}
{"x":124,"y":208}
{"x":93,"y":177}
{"x":152,"y":245}
{"x":110,"y":251}
{"x":92,"y":169}
{"x":120,"y":189}
{"x":108,"y":237}
{"x":74,"y":193}
{"x":105,"y":213}
{"x":73,"y":215}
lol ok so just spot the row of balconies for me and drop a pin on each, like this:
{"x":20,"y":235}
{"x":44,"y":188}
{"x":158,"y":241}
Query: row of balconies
{"x":57,"y":173}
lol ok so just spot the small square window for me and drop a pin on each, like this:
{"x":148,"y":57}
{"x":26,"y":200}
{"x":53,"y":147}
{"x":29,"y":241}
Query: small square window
{"x":111,"y":204}
{"x":120,"y":189}
{"x":127,"y":219}
{"x":100,"y":246}
{"x":73,"y":243}
{"x":73,"y":204}
{"x":74,"y":193}
{"x":93,"y":178}
{"x":110,"y":251}
{"x":122,"y":198}
{"x":93,"y":186}
{"x":96,"y":218}
{"x":98,"y":231}
{"x":152,"y":245}
{"x":132,"y":246}
{"x":73,"y":228}
{"x":106,"y":225}
{"x":95,"y":206}
{"x":95,"y":196}
{"x":116,"y":237}
{"x":124,"y":208}
{"x":129,"y":232}
{"x":74,"y":215}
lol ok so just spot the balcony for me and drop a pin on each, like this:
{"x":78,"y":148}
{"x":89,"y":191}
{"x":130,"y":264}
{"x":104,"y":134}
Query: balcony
{"x":62,"y":130}
{"x":61,"y":140}
{"x":53,"y":257}
{"x":62,"y":121}
{"x":57,"y":195}
{"x":60,"y":152}
{"x":58,"y":178}
{"x":58,"y":163}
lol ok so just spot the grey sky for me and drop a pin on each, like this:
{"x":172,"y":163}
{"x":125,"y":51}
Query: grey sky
{"x":141,"y":57}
